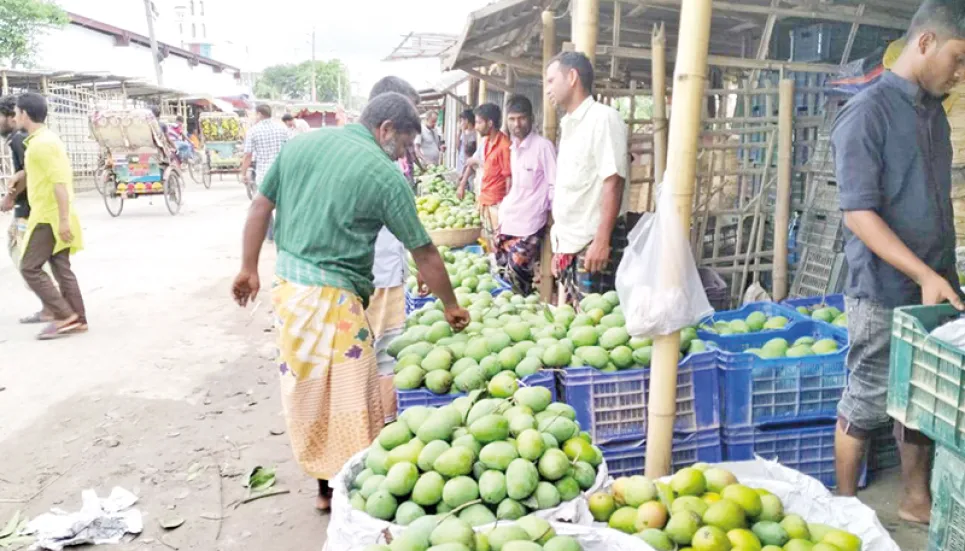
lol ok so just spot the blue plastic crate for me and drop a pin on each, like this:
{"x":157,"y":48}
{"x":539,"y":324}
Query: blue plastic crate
{"x":836,"y":301}
{"x":472,"y":249}
{"x":415,"y":302}
{"x":612,"y":407}
{"x":808,"y":448}
{"x":697,"y":447}
{"x":883,"y":453}
{"x":423,"y":397}
{"x":755,"y":391}
{"x":770,"y":309}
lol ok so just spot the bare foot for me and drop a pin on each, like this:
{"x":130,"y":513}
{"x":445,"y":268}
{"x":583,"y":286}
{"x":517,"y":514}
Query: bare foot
{"x":915,"y":510}
{"x":323,"y":504}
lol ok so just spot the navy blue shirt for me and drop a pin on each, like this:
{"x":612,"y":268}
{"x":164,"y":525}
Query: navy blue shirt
{"x":893,"y":155}
{"x":21,"y":206}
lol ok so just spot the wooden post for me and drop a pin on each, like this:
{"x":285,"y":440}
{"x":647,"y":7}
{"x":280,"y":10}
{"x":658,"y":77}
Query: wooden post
{"x":658,"y":72}
{"x":587,"y":27}
{"x":511,"y":88}
{"x":124,"y":94}
{"x":482,"y":87}
{"x":549,"y":132}
{"x":43,"y":84}
{"x":782,"y":207}
{"x":6,"y":84}
{"x":473,"y":92}
{"x":690,"y":76}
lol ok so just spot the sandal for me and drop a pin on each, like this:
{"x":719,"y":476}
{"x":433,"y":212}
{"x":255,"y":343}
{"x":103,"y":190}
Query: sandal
{"x":55,"y":330}
{"x":35,"y":318}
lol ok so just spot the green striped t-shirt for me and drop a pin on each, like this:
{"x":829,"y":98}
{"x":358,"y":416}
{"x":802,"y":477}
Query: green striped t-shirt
{"x":333,"y":190}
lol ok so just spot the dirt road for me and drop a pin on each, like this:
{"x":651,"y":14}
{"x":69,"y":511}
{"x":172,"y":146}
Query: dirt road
{"x":173,"y":393}
{"x":173,"y":385}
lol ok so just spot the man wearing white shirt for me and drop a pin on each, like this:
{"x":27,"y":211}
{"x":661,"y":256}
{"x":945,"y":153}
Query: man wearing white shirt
{"x":590,"y":200}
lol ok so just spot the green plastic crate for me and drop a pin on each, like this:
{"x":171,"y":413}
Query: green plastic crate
{"x":947,"y":530}
{"x":926,"y":389}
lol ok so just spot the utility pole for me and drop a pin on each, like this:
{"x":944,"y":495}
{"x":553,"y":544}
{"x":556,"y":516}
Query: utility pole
{"x":154,"y":49}
{"x":314,"y":87}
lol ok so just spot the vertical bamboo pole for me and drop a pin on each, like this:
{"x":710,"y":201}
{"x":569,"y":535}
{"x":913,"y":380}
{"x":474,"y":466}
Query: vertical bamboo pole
{"x":510,"y":87}
{"x":124,"y":94}
{"x":6,"y":84}
{"x":782,"y":209}
{"x":690,"y":75}
{"x":549,"y":132}
{"x":482,"y":87}
{"x":586,"y":27}
{"x":658,"y":73}
{"x":473,"y":92}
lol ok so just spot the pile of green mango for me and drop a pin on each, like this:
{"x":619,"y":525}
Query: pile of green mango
{"x":802,"y":347}
{"x":519,"y":335}
{"x":825,"y":313}
{"x":479,"y":458}
{"x":753,"y":323}
{"x":470,"y":272}
{"x":432,"y":533}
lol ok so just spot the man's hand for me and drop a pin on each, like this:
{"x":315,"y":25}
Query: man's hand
{"x":458,"y":317}
{"x":245,"y":287}
{"x":935,"y":290}
{"x":597,"y":256}
{"x":461,"y":190}
{"x":65,"y":234}
{"x":421,"y":286}
{"x":7,"y":204}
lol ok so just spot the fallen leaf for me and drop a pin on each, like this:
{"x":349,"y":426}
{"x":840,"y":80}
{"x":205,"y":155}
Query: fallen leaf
{"x":260,"y":479}
{"x":170,"y":522}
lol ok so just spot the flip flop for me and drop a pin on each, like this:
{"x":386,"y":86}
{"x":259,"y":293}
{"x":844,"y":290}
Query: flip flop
{"x":35,"y":318}
{"x":53,"y":331}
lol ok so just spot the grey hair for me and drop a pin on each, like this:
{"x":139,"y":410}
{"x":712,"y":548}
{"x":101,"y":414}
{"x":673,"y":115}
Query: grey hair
{"x":392,"y":107}
{"x":946,"y":18}
{"x":397,"y":85}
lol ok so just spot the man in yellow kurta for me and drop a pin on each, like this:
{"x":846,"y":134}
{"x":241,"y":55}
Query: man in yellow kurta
{"x":53,"y":229}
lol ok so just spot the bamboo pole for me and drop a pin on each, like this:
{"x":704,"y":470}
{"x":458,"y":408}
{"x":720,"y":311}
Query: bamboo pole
{"x":690,"y":79}
{"x":6,"y":84}
{"x":482,"y":87}
{"x":473,"y":92}
{"x":549,"y":132}
{"x":586,"y":27}
{"x":658,"y":70}
{"x":782,"y":209}
{"x":511,"y":89}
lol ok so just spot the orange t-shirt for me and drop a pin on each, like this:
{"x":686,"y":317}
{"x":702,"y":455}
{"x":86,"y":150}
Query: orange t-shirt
{"x":496,"y":170}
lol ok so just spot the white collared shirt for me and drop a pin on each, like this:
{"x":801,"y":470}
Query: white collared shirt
{"x":593,"y":147}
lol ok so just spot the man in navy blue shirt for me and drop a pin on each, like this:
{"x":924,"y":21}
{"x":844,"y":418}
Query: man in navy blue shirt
{"x":16,"y":197}
{"x":893,"y":155}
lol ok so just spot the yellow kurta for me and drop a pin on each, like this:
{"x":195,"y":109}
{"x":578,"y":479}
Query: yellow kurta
{"x":47,"y":165}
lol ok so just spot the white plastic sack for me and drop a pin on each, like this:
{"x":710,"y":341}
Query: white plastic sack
{"x":349,"y":529}
{"x":806,"y":496}
{"x":658,"y":283}
{"x":952,"y":333}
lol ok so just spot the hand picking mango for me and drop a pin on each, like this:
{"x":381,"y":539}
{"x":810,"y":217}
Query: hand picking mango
{"x":479,"y":459}
{"x":705,"y":508}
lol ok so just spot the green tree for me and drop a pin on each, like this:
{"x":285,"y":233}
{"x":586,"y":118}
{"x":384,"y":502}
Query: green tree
{"x":295,"y":81}
{"x":21,"y":23}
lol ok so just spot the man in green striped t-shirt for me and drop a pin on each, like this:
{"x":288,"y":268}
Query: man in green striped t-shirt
{"x":332,"y":192}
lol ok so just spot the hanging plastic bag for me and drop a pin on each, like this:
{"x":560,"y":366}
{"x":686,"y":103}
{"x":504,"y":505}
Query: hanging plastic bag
{"x":658,"y":283}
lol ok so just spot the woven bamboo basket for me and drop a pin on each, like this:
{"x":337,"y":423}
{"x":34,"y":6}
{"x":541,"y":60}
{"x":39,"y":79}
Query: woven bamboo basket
{"x":455,"y":238}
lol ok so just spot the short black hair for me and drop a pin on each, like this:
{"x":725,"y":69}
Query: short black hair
{"x":392,"y":107}
{"x":179,"y":119}
{"x":34,"y":105}
{"x":519,"y":104}
{"x":8,"y":104}
{"x":945,"y":17}
{"x":264,"y":110}
{"x":577,"y":61}
{"x":467,"y":115}
{"x":397,"y":85}
{"x":490,"y":112}
{"x":287,"y":117}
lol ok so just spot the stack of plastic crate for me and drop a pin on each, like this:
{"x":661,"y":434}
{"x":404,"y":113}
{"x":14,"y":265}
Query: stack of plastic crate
{"x":782,"y":408}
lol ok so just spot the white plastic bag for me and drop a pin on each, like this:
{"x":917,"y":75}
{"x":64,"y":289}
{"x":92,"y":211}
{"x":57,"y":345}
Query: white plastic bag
{"x":658,"y":283}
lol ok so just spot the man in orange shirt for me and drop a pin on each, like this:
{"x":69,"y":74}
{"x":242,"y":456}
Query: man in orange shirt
{"x":496,"y":174}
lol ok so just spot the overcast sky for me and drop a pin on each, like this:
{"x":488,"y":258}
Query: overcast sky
{"x":256,"y":33}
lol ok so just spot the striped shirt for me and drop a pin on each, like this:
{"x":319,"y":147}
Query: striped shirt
{"x":334,"y":189}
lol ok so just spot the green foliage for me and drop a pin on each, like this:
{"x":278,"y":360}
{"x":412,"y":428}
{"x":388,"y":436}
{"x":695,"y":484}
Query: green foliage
{"x":21,"y":22}
{"x":295,"y":81}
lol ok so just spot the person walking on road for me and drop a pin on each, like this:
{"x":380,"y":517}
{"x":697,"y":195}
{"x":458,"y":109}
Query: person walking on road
{"x":262,"y":145}
{"x":386,"y":310}
{"x":16,"y":198}
{"x":429,"y":143}
{"x":53,"y":228}
{"x":893,"y":156}
{"x":590,"y":200}
{"x":497,"y":175}
{"x":295,"y":125}
{"x":333,"y":190}
{"x":523,"y":213}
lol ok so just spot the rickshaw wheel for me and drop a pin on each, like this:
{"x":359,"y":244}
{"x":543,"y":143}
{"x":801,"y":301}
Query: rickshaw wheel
{"x":172,"y":192}
{"x":100,"y":180}
{"x":193,"y":167}
{"x":250,"y":187}
{"x":114,"y":202}
{"x":205,"y":170}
